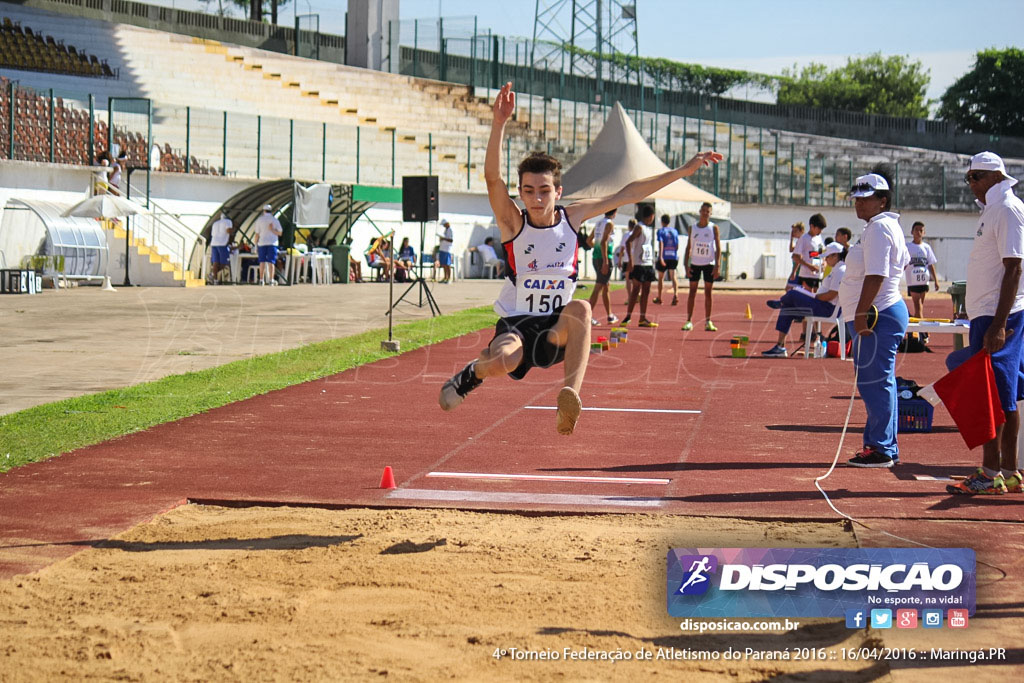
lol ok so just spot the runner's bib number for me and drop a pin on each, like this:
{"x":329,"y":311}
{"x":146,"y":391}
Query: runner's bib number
{"x":647,"y":255}
{"x":543,"y":295}
{"x":702,"y":250}
{"x":918,"y":276}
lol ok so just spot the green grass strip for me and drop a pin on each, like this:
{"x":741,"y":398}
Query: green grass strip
{"x":48,"y":430}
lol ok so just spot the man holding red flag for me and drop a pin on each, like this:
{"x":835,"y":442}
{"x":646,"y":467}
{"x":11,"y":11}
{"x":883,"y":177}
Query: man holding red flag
{"x":995,"y":306}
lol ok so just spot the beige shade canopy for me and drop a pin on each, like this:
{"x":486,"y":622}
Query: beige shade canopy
{"x":617,"y":157}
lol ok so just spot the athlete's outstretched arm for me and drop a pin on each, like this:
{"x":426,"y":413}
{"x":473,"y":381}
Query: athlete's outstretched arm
{"x":638,"y":190}
{"x":506,"y":213}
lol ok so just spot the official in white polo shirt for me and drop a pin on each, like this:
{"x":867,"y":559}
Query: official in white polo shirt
{"x":995,"y":305}
{"x":875,"y":314}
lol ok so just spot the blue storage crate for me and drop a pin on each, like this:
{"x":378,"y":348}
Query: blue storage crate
{"x":915,"y":415}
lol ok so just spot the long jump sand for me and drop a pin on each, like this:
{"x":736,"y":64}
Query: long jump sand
{"x":278,"y":594}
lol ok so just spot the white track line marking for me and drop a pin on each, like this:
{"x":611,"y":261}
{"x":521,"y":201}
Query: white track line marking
{"x":624,"y":410}
{"x":928,"y":477}
{"x":549,"y":477}
{"x":527,"y":498}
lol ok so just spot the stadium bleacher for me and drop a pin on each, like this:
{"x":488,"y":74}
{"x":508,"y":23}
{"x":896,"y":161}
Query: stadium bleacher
{"x":280,"y":106}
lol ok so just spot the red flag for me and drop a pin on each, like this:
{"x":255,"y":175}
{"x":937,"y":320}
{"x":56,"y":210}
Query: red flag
{"x":970,"y":395}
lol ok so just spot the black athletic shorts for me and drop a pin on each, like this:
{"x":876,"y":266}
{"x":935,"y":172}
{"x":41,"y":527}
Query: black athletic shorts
{"x":707,"y":271}
{"x":533,"y":330}
{"x":917,"y":289}
{"x":603,"y":278}
{"x":642,"y":274}
{"x":811,"y":283}
{"x":670,"y":264}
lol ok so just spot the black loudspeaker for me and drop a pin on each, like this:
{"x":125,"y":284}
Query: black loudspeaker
{"x":419,"y":198}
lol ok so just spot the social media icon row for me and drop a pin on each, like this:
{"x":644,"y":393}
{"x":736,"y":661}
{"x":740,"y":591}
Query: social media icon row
{"x":904,"y":618}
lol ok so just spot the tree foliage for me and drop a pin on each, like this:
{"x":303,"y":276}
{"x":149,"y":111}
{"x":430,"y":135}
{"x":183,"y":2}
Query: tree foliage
{"x":990,"y":97}
{"x":227,"y":8}
{"x":892,"y":86}
{"x":707,"y":80}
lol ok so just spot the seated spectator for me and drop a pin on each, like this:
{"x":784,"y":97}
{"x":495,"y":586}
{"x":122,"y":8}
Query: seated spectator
{"x":798,"y":303}
{"x":406,"y":258}
{"x":379,"y":257}
{"x":355,"y":269}
{"x":490,"y":257}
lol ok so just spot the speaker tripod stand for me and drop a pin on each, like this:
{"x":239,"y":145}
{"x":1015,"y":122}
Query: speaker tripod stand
{"x":424,"y":291}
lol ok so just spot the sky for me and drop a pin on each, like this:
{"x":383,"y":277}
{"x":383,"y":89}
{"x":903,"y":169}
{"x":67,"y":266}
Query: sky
{"x":765,"y":36}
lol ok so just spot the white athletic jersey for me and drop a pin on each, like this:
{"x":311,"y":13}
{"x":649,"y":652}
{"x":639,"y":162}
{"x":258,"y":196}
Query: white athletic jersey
{"x":542,"y":268}
{"x":219,"y":232}
{"x":921,"y":256}
{"x":702,"y":245}
{"x":642,"y":248}
{"x":809,"y":248}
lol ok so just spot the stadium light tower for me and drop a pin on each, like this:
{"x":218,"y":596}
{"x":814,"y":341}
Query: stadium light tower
{"x":592,"y":31}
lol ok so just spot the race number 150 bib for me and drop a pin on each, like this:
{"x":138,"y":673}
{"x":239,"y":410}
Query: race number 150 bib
{"x":537,"y":295}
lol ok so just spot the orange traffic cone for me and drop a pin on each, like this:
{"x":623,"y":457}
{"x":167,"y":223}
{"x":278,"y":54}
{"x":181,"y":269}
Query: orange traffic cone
{"x":387,"y":481}
{"x":748,"y":315}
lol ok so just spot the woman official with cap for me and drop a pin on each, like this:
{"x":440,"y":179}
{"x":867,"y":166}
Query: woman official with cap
{"x":875,"y":314}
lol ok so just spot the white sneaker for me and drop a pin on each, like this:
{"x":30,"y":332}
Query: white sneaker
{"x":593,"y":321}
{"x":612,"y":319}
{"x":453,"y":392}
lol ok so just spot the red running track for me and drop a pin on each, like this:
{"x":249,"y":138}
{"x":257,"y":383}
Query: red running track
{"x":765,"y":429}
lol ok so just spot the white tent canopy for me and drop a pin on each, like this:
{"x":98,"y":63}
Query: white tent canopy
{"x":36,"y":226}
{"x":619,"y":156}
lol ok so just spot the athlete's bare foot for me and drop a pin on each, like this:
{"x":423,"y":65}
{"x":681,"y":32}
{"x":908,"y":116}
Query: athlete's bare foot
{"x":569,"y":408}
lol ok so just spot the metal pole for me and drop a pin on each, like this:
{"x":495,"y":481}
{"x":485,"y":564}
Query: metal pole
{"x":714,"y":139}
{"x":259,"y":136}
{"x":357,"y":154}
{"x":821,"y":196}
{"x":792,"y":169}
{"x":469,"y":158}
{"x":10,"y":122}
{"x":728,"y":163}
{"x":807,"y":178}
{"x":415,"y":45}
{"x":775,"y":173}
{"x":224,"y":151}
{"x":291,"y":145}
{"x":149,"y":147}
{"x":188,"y":139}
{"x":52,"y":105}
{"x":472,"y":57}
{"x":393,"y":131}
{"x":943,"y":188}
{"x":896,"y":182}
{"x":441,"y":49}
{"x":323,"y":143}
{"x":110,"y":121}
{"x":91,"y":152}
{"x":430,"y":154}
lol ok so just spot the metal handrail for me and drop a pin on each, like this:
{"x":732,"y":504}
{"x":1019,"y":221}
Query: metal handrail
{"x":166,"y":231}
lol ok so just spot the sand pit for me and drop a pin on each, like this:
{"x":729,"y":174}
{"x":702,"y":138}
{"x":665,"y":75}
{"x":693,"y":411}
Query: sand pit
{"x":208,"y":593}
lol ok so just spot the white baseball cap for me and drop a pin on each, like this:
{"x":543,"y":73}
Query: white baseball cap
{"x":867,"y":185}
{"x":832,"y":248}
{"x":989,"y":161}
{"x":267,"y":207}
{"x":445,"y":223}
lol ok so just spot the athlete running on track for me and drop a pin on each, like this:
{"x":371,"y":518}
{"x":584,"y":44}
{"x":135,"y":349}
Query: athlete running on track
{"x":540,"y":323}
